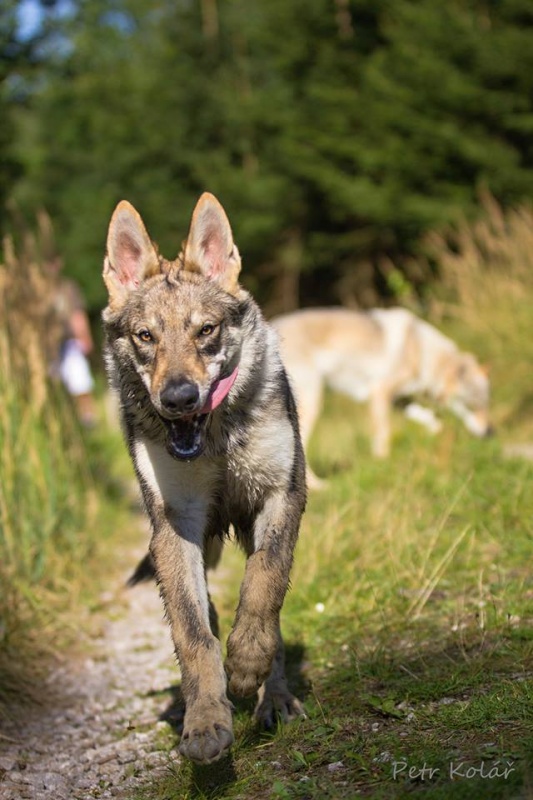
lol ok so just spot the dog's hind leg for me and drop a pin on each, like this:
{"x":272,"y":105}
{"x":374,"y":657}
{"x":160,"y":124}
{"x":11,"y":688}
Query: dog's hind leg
{"x":309,"y":391}
{"x":212,"y":553}
{"x":275,"y":701}
{"x":380,"y":412}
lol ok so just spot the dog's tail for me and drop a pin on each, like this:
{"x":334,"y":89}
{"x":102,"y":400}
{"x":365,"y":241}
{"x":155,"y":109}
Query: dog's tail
{"x":144,"y":571}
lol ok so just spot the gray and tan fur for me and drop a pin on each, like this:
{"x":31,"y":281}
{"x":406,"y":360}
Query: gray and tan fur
{"x":378,"y":356}
{"x":175,"y":331}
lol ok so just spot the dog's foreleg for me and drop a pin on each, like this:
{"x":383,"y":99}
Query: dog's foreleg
{"x":207,"y":731}
{"x":424,"y":416}
{"x":254,"y":640}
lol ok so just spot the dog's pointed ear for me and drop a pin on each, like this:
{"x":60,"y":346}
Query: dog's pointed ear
{"x":210,"y":249}
{"x":131,"y":256}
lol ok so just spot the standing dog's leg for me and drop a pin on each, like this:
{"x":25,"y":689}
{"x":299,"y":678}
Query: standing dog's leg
{"x":380,"y":410}
{"x":424,"y":416}
{"x":254,"y":640}
{"x":308,"y":388}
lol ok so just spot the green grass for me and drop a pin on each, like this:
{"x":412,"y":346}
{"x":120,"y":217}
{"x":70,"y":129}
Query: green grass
{"x":58,"y":496}
{"x":60,"y":505}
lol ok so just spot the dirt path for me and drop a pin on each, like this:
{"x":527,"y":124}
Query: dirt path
{"x":102,"y":738}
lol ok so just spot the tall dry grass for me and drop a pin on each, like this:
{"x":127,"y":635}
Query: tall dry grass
{"x":484,"y":298}
{"x":485,"y":267}
{"x":47,"y":498}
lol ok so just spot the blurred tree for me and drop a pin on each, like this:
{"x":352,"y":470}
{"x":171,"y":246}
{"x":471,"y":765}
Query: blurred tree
{"x":23,"y":55}
{"x":334,"y":131}
{"x":11,"y":53}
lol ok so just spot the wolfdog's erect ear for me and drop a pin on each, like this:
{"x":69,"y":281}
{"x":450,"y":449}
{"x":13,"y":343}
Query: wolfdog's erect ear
{"x":210,"y":249}
{"x":131,"y":256}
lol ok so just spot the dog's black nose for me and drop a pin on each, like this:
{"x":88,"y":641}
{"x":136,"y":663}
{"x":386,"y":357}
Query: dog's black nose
{"x":179,"y":397}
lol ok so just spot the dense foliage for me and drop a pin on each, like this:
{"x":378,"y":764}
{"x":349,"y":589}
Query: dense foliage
{"x":335,"y":132}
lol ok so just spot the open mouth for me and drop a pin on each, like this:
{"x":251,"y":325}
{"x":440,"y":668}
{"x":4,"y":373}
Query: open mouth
{"x":186,"y":436}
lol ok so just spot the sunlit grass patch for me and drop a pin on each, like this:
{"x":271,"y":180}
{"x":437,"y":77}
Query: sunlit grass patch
{"x":53,"y":526}
{"x":484,"y":299}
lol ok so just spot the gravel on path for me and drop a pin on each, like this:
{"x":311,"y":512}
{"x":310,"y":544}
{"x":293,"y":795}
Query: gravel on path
{"x":102,"y":737}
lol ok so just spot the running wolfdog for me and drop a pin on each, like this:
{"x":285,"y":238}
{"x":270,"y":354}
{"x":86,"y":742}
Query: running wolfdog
{"x":211,"y":427}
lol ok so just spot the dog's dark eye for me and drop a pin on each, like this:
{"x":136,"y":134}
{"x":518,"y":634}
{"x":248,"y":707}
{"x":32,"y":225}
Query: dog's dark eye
{"x":207,"y":329}
{"x":145,"y":336}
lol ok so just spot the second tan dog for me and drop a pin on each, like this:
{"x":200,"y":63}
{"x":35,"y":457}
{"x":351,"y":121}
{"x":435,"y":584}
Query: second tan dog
{"x":379,"y":356}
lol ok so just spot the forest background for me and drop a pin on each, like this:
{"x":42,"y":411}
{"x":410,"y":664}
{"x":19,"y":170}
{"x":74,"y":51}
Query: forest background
{"x":336,"y":133}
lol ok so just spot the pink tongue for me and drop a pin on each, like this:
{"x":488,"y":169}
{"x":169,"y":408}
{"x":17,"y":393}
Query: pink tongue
{"x":219,"y":392}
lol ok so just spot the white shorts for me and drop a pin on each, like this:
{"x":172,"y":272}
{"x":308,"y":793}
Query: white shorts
{"x":74,"y":369}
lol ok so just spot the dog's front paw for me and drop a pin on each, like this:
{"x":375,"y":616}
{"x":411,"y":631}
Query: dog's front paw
{"x":207,"y":735}
{"x":275,"y":704}
{"x":249,"y":660}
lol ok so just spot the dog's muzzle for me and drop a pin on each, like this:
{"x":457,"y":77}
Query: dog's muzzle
{"x":187,"y":432}
{"x":186,"y":436}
